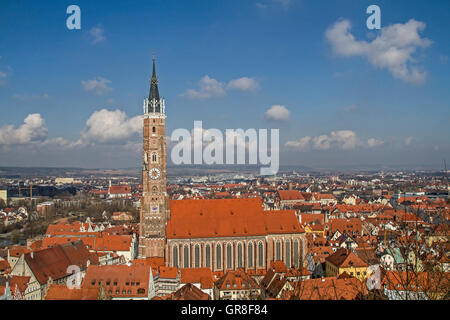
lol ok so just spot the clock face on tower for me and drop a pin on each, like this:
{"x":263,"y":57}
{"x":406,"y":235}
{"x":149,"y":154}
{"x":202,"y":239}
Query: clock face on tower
{"x":154,"y":173}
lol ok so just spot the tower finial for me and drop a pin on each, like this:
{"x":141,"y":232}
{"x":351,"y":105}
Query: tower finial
{"x":154,"y":94}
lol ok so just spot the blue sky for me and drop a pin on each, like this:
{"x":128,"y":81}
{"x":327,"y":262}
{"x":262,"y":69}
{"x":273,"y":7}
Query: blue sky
{"x":344,"y":93}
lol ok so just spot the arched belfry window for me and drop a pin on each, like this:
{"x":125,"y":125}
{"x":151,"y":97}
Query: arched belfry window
{"x":153,"y":129}
{"x":154,"y":157}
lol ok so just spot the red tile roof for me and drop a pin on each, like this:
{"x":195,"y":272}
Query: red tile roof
{"x":203,"y":276}
{"x":186,"y":292}
{"x":62,"y":292}
{"x":290,"y":195}
{"x":236,"y":280}
{"x":53,"y":262}
{"x":123,"y":189}
{"x":344,"y":258}
{"x":227,"y":218}
{"x":119,"y":280}
{"x":330,"y":288}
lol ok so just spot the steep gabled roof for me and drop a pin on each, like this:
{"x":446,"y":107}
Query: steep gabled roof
{"x":203,"y":276}
{"x":53,"y":262}
{"x":119,"y":280}
{"x":344,"y":258}
{"x":236,"y":280}
{"x":227,"y":218}
{"x":290,"y":195}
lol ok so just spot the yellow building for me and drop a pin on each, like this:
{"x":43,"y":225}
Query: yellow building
{"x":318,"y":229}
{"x":344,"y":260}
{"x":4,"y":195}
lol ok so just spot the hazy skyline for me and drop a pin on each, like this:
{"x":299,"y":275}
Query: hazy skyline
{"x":340,"y":94}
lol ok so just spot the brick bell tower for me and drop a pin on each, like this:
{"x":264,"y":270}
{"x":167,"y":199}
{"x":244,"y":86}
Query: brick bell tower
{"x":155,"y":201}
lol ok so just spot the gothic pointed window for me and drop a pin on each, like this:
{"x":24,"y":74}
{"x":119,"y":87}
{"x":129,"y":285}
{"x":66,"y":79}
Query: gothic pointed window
{"x":175,"y":256}
{"x":218,"y":256}
{"x":154,"y":190}
{"x":186,"y":256}
{"x":154,"y":157}
{"x":208,"y":256}
{"x":260,"y":254}
{"x":278,"y":251}
{"x":288,"y":253}
{"x":197,"y":256}
{"x":154,"y":129}
{"x":229,"y":256}
{"x":240,"y":256}
{"x":250,"y":255}
{"x":296,"y":253}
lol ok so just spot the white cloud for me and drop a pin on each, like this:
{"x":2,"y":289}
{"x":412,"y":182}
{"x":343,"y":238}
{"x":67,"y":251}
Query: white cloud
{"x":244,"y":84}
{"x":32,"y":130}
{"x":408,"y":140}
{"x":340,"y":139}
{"x":108,"y":126}
{"x":300,"y":145}
{"x":343,"y":139}
{"x":278,"y":113}
{"x":135,"y":147}
{"x":212,"y":88}
{"x":96,"y":34}
{"x":98,"y":85}
{"x":208,"y":88}
{"x":372,"y":142}
{"x":61,"y":143}
{"x":393,"y":49}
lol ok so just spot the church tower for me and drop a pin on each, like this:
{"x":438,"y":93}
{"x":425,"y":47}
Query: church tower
{"x":155,"y":201}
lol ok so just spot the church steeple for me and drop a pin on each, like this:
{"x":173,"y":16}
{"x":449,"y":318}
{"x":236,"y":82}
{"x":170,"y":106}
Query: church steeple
{"x":155,"y":200}
{"x":154,"y":92}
